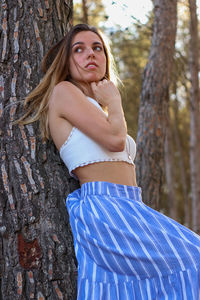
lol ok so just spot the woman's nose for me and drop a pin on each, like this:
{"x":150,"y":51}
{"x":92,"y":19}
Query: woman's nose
{"x":90,"y":52}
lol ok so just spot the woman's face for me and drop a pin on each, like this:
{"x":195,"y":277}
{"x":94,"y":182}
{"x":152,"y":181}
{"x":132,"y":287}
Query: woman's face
{"x":87,"y":62}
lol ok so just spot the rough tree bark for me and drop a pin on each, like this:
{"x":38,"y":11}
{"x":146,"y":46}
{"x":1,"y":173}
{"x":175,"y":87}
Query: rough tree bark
{"x":154,"y":102}
{"x":194,"y":117}
{"x":36,"y":249}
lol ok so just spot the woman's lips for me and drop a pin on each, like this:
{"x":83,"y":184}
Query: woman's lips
{"x":91,"y":65}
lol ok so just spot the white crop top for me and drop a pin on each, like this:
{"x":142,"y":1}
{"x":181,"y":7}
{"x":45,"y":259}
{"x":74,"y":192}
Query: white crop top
{"x":80,"y":150}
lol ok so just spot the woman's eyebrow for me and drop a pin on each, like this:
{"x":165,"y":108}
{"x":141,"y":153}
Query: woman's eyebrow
{"x":98,"y":43}
{"x":77,"y":43}
{"x":82,"y":43}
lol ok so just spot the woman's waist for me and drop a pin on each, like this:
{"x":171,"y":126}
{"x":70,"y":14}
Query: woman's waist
{"x":118,"y":172}
{"x":109,"y":189}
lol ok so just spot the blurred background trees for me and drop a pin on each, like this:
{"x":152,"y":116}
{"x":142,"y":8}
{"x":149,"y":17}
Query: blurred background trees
{"x":179,"y":193}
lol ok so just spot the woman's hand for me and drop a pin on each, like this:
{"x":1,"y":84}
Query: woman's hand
{"x":105,"y":92}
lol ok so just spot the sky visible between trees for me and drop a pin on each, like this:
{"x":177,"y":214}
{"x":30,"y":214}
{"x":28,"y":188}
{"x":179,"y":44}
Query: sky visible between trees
{"x":123,"y":12}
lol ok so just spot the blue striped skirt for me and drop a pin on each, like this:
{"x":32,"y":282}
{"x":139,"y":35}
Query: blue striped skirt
{"x":126,"y":250}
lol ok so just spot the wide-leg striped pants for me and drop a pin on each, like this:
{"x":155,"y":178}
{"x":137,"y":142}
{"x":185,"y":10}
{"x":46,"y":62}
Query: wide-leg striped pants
{"x":126,"y":250}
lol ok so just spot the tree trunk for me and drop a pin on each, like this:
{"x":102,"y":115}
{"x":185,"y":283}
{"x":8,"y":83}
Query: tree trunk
{"x":194,"y":117}
{"x":181,"y":165}
{"x":36,"y":248}
{"x":170,"y":179}
{"x":85,"y":11}
{"x":154,"y":102}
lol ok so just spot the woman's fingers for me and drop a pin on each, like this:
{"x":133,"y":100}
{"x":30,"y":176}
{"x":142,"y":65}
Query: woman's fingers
{"x":105,"y":91}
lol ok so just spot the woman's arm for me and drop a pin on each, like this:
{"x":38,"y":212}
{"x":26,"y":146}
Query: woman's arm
{"x":106,"y":93}
{"x":68,"y":102}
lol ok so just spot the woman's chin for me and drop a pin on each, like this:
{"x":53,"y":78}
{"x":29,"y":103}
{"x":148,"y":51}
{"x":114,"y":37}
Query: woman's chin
{"x":95,"y":79}
{"x":90,"y":78}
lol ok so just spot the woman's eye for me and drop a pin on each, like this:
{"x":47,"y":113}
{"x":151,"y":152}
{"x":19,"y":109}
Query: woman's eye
{"x":78,"y":50}
{"x":98,"y":48}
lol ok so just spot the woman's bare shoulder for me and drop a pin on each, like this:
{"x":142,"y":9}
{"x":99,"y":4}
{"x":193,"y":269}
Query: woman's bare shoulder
{"x":66,"y":86}
{"x":65,"y":92}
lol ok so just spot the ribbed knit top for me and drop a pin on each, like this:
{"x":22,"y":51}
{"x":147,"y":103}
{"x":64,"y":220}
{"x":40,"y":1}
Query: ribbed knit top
{"x":80,"y":150}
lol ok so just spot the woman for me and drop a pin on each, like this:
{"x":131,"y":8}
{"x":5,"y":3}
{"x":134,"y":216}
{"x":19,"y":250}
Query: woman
{"x":125,"y":250}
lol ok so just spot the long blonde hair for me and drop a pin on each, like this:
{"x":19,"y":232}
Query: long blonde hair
{"x":55,"y":65}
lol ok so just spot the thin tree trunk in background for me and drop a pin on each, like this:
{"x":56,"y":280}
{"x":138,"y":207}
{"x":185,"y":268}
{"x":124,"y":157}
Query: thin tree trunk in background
{"x":85,"y":11}
{"x":170,"y":179}
{"x":181,"y":164}
{"x":36,"y":248}
{"x":154,"y":102}
{"x":194,"y":117}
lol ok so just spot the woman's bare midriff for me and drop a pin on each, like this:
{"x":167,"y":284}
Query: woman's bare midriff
{"x":113,"y":171}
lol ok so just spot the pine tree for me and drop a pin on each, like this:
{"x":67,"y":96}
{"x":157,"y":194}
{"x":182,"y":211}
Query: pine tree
{"x":36,"y":248}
